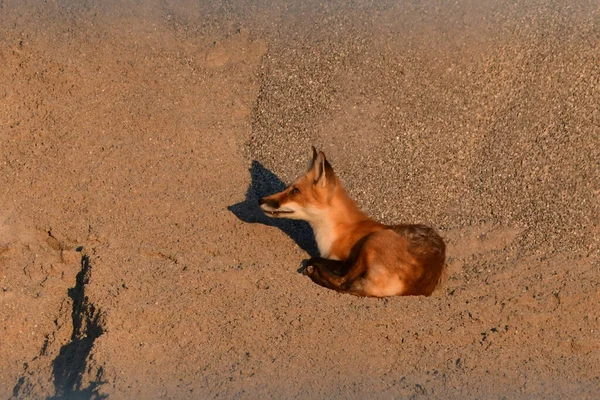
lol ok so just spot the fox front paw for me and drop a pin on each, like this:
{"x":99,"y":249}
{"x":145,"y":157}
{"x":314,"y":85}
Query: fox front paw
{"x":309,"y":266}
{"x":309,"y":270}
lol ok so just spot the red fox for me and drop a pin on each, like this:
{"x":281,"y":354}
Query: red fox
{"x":358,"y":255}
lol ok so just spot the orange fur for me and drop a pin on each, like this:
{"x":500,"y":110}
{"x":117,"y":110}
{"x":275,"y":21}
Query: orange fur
{"x":358,"y":255}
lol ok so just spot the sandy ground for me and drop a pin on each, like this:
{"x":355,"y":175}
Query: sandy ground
{"x":135,"y":138}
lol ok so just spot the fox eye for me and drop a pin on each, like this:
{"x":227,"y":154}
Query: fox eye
{"x":295,"y":191}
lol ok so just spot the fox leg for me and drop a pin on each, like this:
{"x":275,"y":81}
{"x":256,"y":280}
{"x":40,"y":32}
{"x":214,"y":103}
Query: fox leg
{"x":322,"y":273}
{"x":336,"y":266}
{"x":315,"y":265}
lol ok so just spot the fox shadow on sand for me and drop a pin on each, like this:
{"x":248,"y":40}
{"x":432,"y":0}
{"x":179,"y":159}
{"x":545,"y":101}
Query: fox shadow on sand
{"x":265,"y":183}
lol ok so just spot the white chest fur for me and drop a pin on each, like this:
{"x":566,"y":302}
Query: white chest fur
{"x":324,"y":236}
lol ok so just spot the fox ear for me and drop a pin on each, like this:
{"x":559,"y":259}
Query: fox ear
{"x":322,"y":170}
{"x":311,"y":163}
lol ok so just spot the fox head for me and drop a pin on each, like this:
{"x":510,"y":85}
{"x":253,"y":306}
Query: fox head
{"x":308,"y":197}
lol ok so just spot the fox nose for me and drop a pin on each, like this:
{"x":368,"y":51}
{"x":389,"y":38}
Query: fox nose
{"x":261,"y":201}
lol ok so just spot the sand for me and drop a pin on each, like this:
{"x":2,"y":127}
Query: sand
{"x":136,"y":137}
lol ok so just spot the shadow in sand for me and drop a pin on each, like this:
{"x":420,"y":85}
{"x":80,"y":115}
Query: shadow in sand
{"x":70,"y":365}
{"x":70,"y":369}
{"x":264,"y":183}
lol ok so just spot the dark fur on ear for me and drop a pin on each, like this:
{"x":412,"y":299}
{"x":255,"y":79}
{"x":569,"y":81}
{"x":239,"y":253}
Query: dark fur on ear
{"x":329,"y":174}
{"x":322,"y":169}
